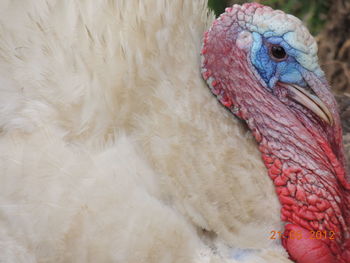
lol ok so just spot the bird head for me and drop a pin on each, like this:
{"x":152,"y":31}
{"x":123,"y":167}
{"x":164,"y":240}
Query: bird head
{"x":262,"y":65}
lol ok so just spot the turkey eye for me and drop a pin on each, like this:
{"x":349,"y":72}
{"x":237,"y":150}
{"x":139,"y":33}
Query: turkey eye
{"x":278,"y":52}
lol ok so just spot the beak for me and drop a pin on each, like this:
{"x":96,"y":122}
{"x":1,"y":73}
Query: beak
{"x":310,"y":101}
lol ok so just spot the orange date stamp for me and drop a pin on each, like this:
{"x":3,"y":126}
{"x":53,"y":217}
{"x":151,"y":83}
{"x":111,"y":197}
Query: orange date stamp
{"x":298,"y":235}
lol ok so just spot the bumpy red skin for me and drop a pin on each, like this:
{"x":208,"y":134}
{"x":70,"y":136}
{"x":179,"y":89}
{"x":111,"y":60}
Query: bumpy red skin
{"x":304,"y":156}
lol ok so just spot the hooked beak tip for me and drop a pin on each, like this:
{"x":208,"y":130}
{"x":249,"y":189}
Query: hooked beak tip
{"x":310,"y":101}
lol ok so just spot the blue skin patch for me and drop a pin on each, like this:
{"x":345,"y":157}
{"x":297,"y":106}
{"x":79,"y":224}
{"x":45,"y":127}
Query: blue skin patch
{"x":270,"y":70}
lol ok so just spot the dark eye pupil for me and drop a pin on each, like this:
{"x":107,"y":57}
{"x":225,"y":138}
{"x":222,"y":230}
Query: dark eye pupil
{"x":278,"y":52}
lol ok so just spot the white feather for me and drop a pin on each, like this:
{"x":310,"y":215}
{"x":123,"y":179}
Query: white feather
{"x":114,"y":149}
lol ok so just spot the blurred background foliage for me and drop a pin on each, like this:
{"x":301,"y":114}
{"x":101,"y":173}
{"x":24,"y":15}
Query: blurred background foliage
{"x":312,"y":12}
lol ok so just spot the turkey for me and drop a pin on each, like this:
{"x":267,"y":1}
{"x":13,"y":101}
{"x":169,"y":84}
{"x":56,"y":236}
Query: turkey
{"x":115,"y":150}
{"x":262,"y":65}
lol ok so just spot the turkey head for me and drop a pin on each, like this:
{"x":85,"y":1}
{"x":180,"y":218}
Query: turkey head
{"x":262,"y":65}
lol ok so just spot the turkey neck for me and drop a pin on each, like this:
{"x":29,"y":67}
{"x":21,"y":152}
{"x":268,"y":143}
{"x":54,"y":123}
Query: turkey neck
{"x":298,"y":157}
{"x":308,"y":174}
{"x":303,"y":156}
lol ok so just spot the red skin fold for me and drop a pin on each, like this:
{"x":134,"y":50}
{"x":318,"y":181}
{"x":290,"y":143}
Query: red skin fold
{"x":307,"y":250}
{"x":304,"y":155}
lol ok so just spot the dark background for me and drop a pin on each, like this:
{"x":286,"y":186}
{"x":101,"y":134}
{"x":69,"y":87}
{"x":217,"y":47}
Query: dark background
{"x":329,"y":22}
{"x":312,"y":12}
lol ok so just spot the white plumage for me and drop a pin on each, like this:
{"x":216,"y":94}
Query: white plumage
{"x":113,"y":148}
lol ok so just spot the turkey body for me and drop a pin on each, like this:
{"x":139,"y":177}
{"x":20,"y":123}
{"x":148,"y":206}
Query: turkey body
{"x":114,"y":150}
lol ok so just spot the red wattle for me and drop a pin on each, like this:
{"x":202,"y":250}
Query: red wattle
{"x":306,"y":249}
